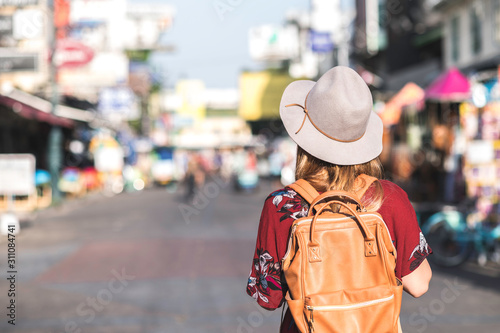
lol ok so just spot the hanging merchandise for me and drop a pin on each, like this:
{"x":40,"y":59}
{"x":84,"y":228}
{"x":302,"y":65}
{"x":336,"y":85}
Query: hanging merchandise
{"x":480,"y":95}
{"x":490,"y":121}
{"x":482,"y":169}
{"x":469,"y":119}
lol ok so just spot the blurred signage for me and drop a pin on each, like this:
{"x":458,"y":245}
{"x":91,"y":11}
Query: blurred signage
{"x":28,"y":24}
{"x":119,"y":102}
{"x":480,"y":152}
{"x":139,"y":78}
{"x":498,"y":79}
{"x":479,"y":95}
{"x":61,"y":18}
{"x":17,"y":174}
{"x":145,"y":23}
{"x":321,"y":42}
{"x":93,"y":33}
{"x":5,"y":25}
{"x":372,"y":26}
{"x":107,"y":69}
{"x":274,"y":43}
{"x":71,"y":53}
{"x":493,"y":90}
{"x":326,"y":15}
{"x":61,"y":13}
{"x":18,"y":3}
{"x":109,"y":159}
{"x":192,"y":94}
{"x":95,"y":10}
{"x":260,"y":93}
{"x":18,"y":62}
{"x":376,"y":22}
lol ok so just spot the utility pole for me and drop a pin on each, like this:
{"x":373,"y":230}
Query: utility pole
{"x":55,"y":136}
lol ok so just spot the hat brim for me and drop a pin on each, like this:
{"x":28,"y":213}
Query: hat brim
{"x":320,"y":146}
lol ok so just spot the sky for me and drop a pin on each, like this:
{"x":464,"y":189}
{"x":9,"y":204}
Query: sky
{"x":211,"y":45}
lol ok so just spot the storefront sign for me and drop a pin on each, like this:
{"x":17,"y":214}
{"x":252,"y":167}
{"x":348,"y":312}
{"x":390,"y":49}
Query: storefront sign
{"x":71,"y":53}
{"x":5,"y":25}
{"x":118,"y":102}
{"x":479,"y":95}
{"x":274,"y":43}
{"x":28,"y":24}
{"x":18,"y":63}
{"x":18,"y":3}
{"x":321,"y":42}
{"x":109,"y":159}
{"x":480,"y":152}
{"x":17,"y":174}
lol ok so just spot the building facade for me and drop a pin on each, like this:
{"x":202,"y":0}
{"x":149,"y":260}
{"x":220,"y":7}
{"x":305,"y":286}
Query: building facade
{"x":471,"y":33}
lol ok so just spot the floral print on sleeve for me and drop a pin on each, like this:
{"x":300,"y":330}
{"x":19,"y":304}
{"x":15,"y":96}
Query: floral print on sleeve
{"x":295,"y":207}
{"x":266,"y":283}
{"x":266,"y":277}
{"x":419,"y":253}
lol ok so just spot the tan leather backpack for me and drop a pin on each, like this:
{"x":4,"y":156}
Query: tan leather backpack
{"x":339,"y":267}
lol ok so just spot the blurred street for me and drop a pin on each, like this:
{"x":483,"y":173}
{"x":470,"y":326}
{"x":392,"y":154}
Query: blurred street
{"x":136,"y":263}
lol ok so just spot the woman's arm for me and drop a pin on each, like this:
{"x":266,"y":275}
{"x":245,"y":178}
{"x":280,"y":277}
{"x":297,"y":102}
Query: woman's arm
{"x":417,"y":282}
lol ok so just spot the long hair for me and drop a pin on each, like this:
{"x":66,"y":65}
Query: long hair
{"x":325,"y":176}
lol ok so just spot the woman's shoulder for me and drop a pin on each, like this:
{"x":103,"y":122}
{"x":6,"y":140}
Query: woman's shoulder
{"x":395,"y":201}
{"x":285,"y":203}
{"x":281,"y":196}
{"x":392,"y":191}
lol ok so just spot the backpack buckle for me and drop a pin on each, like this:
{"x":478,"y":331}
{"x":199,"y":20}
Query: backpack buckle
{"x":314,"y":253}
{"x":370,"y":248}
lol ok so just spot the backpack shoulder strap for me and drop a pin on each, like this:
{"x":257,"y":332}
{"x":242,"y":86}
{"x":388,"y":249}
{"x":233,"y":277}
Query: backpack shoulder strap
{"x":305,"y":190}
{"x":309,"y":193}
{"x":362,"y":183}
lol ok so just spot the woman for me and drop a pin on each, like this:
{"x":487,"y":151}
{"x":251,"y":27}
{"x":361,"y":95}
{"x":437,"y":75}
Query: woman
{"x":339,"y":137}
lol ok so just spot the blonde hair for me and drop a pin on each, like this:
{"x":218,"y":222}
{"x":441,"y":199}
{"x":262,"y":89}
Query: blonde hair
{"x":325,"y":176}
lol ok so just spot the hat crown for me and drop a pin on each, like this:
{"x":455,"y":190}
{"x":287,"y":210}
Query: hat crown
{"x":340,"y":103}
{"x":332,"y":119}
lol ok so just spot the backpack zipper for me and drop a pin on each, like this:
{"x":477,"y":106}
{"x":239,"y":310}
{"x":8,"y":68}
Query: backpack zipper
{"x":342,"y":307}
{"x":347,"y":307}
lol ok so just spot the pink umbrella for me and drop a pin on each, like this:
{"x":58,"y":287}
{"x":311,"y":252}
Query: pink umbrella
{"x":451,"y":86}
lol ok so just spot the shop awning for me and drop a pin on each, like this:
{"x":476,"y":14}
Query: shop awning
{"x":29,"y":112}
{"x":451,"y":86}
{"x":410,"y":94}
{"x":33,"y":107}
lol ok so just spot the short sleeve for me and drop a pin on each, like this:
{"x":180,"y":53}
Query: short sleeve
{"x":410,"y":243}
{"x":264,"y":282}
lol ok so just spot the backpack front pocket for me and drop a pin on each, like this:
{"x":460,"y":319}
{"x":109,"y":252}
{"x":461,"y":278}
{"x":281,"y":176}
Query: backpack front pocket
{"x":368,"y":310}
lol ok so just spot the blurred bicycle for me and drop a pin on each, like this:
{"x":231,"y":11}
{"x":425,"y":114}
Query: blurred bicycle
{"x":455,"y":236}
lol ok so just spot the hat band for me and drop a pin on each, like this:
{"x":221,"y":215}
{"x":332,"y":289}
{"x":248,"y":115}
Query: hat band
{"x":306,"y":115}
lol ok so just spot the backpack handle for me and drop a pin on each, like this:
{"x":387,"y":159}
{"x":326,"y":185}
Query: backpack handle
{"x":370,"y":244}
{"x":333,"y":194}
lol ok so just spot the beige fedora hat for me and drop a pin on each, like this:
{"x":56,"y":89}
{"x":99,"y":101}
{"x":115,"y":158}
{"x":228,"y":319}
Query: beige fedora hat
{"x":332,"y":119}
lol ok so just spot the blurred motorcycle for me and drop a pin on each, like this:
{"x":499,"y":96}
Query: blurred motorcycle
{"x":454,"y":237}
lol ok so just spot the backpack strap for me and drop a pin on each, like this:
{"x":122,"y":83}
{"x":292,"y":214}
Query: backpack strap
{"x":363,"y":182}
{"x":305,"y":190}
{"x":309,"y":193}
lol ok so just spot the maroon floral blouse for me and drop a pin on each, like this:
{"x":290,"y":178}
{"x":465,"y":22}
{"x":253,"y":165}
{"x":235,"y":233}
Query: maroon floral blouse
{"x":267,"y":285}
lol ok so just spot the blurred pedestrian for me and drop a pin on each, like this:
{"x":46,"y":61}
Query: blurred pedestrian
{"x":194,"y":177}
{"x":339,"y":138}
{"x":275,"y":165}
